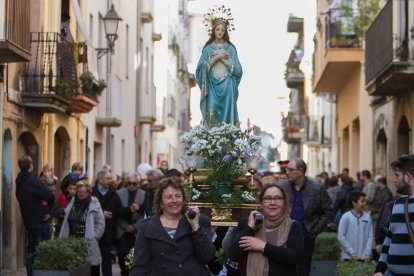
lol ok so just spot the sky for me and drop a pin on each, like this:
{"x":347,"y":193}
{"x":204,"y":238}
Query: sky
{"x":263,"y":45}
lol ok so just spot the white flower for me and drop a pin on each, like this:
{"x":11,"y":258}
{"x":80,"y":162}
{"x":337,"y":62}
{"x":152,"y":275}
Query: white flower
{"x":248,"y":196}
{"x":196,"y":193}
{"x":225,"y":197}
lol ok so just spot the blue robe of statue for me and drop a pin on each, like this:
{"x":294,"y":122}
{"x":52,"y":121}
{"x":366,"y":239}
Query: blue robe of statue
{"x":219,"y":85}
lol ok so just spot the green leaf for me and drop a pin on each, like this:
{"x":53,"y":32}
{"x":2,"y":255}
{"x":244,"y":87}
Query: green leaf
{"x":61,"y":254}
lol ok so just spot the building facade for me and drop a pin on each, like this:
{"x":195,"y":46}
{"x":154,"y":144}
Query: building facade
{"x":173,"y":82}
{"x":338,"y":69}
{"x":45,"y":110}
{"x":293,"y":124}
{"x":388,"y":81}
{"x":41,"y":113}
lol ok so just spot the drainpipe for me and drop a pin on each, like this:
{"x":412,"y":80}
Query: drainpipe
{"x":137,"y":87}
{"x":2,"y":66}
{"x":108,"y":99}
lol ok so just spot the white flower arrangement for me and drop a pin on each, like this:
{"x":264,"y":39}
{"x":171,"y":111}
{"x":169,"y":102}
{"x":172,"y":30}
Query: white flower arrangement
{"x":224,"y":149}
{"x":248,"y":196}
{"x":196,"y":194}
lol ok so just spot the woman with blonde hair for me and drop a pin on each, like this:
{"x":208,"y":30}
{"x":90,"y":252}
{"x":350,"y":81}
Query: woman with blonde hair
{"x":84,"y":219}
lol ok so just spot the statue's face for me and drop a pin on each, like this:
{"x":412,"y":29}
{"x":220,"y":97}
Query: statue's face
{"x":219,"y":31}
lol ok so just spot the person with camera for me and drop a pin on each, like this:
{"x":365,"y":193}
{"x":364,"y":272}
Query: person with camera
{"x":272,"y":241}
{"x":176,"y":240}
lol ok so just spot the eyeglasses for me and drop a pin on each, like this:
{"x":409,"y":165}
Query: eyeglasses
{"x":288,"y":170}
{"x":133,"y":183}
{"x":269,"y":199}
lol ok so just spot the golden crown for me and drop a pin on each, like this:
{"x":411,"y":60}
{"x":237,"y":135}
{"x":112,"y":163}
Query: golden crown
{"x":218,"y":14}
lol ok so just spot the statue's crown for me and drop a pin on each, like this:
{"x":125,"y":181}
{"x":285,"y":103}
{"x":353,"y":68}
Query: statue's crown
{"x":216,"y":15}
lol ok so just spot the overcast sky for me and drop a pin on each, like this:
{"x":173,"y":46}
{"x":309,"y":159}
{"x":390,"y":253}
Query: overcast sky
{"x":263,"y":46}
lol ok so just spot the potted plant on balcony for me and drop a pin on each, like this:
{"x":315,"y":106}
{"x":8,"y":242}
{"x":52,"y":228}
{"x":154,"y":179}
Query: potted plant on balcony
{"x":363,"y":16}
{"x":62,"y":257}
{"x":90,"y":86}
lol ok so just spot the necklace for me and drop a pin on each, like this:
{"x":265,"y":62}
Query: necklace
{"x":219,"y":44}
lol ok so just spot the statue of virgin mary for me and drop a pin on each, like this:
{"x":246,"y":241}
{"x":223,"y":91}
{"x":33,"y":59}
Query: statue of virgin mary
{"x":219,"y":71}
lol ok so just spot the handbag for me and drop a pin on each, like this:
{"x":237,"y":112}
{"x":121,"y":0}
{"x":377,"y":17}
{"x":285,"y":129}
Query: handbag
{"x":408,"y":222}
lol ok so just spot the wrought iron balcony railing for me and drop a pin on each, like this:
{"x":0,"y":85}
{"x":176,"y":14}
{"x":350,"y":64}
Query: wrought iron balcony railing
{"x":52,"y":69}
{"x":51,"y":73}
{"x":389,"y":61}
{"x":318,"y":130}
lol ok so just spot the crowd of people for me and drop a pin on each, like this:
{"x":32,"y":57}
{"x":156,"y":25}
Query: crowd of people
{"x":148,"y":211}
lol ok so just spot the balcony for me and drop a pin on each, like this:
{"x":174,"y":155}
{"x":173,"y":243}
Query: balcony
{"x":293,"y":128}
{"x":146,"y":14}
{"x":156,"y":37}
{"x":148,"y":105}
{"x":338,"y":50}
{"x":49,"y":80}
{"x":160,"y":123}
{"x":318,"y":130}
{"x":294,"y":78}
{"x":82,"y":103}
{"x":295,"y":24}
{"x":14,"y":31}
{"x":389,"y":68}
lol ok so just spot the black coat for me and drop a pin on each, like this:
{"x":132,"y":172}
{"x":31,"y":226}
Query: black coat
{"x":186,"y":254}
{"x":30,"y":192}
{"x":112,"y":203}
{"x":282,"y":260}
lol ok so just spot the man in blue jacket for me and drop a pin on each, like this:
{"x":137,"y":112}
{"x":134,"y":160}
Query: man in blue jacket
{"x":30,"y":193}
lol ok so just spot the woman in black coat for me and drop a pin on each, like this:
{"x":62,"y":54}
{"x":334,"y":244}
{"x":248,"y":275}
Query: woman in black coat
{"x":274,"y":243}
{"x":171,"y":243}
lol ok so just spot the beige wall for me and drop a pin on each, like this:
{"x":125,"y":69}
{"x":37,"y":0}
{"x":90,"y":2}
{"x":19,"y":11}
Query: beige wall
{"x":353,"y":110}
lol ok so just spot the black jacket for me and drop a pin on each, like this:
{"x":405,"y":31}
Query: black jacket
{"x":112,"y":203}
{"x":187,"y":254}
{"x":30,"y":192}
{"x":317,"y":205}
{"x":342,"y":203}
{"x":282,"y":260}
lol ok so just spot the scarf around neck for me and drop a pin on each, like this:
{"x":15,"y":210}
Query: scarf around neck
{"x":257,"y":263}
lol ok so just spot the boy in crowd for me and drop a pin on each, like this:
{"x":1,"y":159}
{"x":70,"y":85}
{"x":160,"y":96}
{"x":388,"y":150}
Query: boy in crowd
{"x":355,"y":231}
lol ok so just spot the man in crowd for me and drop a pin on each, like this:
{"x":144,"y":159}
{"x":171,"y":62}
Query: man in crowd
{"x":153,"y":178}
{"x":310,"y":205}
{"x":382,"y":195}
{"x":164,"y":166}
{"x":110,"y":204}
{"x":397,"y":253}
{"x":369,"y":189}
{"x":132,"y":199}
{"x":30,"y":193}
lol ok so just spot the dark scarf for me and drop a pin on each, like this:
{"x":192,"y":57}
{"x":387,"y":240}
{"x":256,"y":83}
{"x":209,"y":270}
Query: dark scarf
{"x":82,"y":204}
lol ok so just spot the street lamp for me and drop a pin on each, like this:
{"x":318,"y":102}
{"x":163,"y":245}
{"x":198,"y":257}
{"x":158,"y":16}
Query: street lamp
{"x":111,"y":25}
